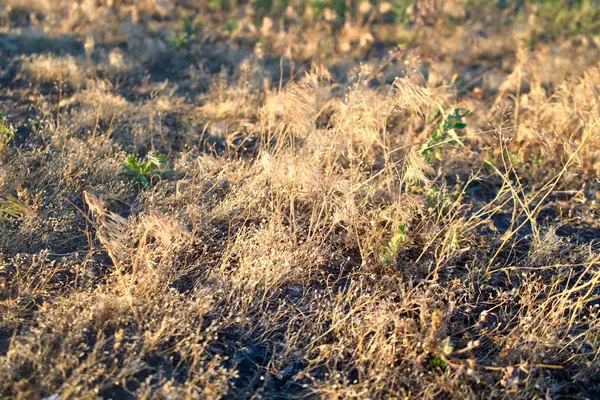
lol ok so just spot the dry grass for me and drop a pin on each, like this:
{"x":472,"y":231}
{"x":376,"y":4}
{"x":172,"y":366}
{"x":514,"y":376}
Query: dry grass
{"x":54,"y":70}
{"x":327,"y":226}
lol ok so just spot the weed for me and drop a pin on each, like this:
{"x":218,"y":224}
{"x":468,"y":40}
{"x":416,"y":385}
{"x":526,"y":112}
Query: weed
{"x":186,"y":37}
{"x":516,"y":160}
{"x":144,"y":173}
{"x":400,"y":9}
{"x":339,"y":6}
{"x":444,"y":134}
{"x":307,"y":247}
{"x":270,"y":7}
{"x":536,"y":160}
{"x":221,"y":5}
{"x":7,"y":130}
{"x":7,"y":133}
{"x":437,"y":362}
{"x":231,"y":25}
{"x":387,"y":254}
{"x":580,"y":17}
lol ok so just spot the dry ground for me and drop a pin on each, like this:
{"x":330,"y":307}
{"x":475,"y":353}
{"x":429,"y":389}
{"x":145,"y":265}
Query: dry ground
{"x":299,"y":199}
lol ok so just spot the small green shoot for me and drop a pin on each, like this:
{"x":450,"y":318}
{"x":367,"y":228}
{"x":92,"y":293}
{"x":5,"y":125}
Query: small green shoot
{"x":440,"y":360}
{"x":186,"y":37}
{"x":387,"y":255}
{"x":400,"y":10}
{"x":437,"y":362}
{"x":339,"y":6}
{"x":7,"y":131}
{"x":231,"y":25}
{"x":515,"y":159}
{"x":220,"y":5}
{"x":143,"y":173}
{"x":444,"y":134}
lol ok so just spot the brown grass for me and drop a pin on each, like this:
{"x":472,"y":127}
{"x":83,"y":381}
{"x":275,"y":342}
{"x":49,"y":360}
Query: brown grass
{"x":301,"y":243}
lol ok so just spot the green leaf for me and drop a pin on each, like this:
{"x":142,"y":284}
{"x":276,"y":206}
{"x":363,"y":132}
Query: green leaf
{"x":438,"y":362}
{"x":388,"y":252}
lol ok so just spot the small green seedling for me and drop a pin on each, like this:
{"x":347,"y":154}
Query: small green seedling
{"x":7,"y":131}
{"x":339,"y":6}
{"x":231,"y":25}
{"x":143,"y":173}
{"x":186,"y":37}
{"x":400,"y":10}
{"x":387,"y":255}
{"x":515,"y":159}
{"x":440,"y":360}
{"x":437,"y":362}
{"x":219,"y":5}
{"x":444,"y":134}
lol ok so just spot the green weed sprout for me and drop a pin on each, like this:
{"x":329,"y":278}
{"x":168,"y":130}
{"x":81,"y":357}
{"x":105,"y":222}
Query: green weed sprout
{"x":444,"y":134}
{"x":143,"y":173}
{"x":388,"y":252}
{"x":186,"y":37}
{"x":7,"y":131}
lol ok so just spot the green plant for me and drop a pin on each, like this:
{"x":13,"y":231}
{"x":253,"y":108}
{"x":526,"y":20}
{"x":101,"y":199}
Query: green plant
{"x":7,"y":131}
{"x":556,"y":19}
{"x":186,"y":37}
{"x":339,"y":6}
{"x":488,"y":164}
{"x":400,"y":10}
{"x":143,"y":173}
{"x":221,"y":5}
{"x":273,"y":8}
{"x":515,"y":159}
{"x":439,"y":358}
{"x":444,"y":134}
{"x":388,"y":252}
{"x":437,"y":362}
{"x":231,"y":25}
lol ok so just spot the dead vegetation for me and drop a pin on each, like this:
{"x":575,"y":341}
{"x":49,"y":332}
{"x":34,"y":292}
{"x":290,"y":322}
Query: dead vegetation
{"x":250,"y":200}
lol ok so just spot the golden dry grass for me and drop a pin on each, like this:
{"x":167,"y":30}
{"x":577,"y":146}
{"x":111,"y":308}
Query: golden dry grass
{"x":325,"y":224}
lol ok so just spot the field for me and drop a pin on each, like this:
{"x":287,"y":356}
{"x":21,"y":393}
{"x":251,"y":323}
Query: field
{"x":323,"y":199}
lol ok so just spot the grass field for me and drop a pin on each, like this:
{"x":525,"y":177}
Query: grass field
{"x":324,"y":199}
